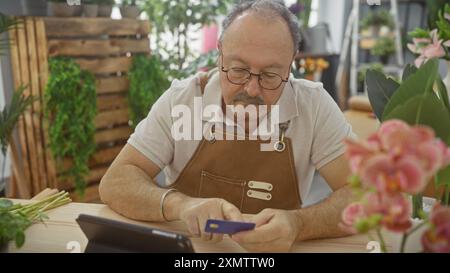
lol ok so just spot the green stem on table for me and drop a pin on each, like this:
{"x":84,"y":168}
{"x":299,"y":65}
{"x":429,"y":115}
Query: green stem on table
{"x":32,"y":206}
{"x":417,"y":205}
{"x":382,"y":243}
{"x":407,"y":234}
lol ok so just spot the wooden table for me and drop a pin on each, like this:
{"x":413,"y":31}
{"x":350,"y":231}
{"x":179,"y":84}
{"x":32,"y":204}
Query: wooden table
{"x":363,"y":123}
{"x":61,"y":229}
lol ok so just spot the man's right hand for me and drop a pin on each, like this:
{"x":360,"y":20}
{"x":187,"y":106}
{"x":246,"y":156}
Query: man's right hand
{"x":196,"y":211}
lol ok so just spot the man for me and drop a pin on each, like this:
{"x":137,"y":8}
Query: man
{"x":235,"y":179}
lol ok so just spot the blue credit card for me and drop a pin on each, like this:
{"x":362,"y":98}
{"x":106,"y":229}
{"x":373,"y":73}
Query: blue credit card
{"x":227,"y":227}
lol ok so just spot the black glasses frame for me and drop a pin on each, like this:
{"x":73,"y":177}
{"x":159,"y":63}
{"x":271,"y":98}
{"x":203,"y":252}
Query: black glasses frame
{"x":250,"y":74}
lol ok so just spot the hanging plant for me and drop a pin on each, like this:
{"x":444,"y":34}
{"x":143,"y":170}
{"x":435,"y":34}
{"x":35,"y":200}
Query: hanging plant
{"x":70,"y":108}
{"x":147,"y":82}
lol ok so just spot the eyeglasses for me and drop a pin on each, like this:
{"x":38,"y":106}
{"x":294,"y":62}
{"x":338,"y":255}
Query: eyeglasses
{"x":240,"y":76}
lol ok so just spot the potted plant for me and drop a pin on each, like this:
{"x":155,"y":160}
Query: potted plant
{"x":130,"y":8}
{"x":60,"y":8}
{"x":105,"y":7}
{"x":145,"y":87}
{"x":90,"y":8}
{"x":378,"y":23}
{"x":384,"y":47}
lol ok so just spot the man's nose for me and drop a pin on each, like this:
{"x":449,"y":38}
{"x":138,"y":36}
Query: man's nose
{"x":252,"y":87}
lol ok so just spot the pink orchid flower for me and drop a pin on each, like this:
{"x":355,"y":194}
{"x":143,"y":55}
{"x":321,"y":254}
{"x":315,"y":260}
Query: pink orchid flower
{"x":395,"y":208}
{"x":437,"y":238}
{"x":427,"y":49}
{"x":387,"y":175}
{"x":351,"y":215}
{"x":357,"y":152}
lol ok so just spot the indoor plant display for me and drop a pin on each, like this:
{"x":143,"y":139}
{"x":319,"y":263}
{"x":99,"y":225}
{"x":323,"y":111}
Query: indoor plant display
{"x":70,"y":108}
{"x":175,"y":21}
{"x":60,"y":8}
{"x":147,"y":82}
{"x":130,"y":8}
{"x":105,"y":7}
{"x":378,"y":23}
{"x":384,"y":47}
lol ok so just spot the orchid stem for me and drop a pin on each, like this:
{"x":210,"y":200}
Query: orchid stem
{"x":417,"y":205}
{"x":382,"y":243}
{"x":406,"y":235}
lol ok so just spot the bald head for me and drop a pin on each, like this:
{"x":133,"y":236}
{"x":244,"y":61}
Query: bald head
{"x":268,"y":12}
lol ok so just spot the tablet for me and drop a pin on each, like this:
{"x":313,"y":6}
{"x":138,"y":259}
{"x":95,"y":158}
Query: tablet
{"x":110,"y":236}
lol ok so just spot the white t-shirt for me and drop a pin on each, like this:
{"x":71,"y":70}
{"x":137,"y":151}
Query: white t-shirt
{"x":317,"y":127}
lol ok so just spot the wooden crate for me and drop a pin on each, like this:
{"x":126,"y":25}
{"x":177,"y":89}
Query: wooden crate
{"x":102,"y":46}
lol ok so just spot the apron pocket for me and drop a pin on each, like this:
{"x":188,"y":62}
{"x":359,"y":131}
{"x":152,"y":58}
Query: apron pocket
{"x":215,"y":186}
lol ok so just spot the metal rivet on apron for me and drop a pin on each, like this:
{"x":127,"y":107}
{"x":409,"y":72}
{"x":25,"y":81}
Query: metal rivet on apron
{"x":260,"y":185}
{"x":279,"y":146}
{"x":259,"y":195}
{"x":211,"y":133}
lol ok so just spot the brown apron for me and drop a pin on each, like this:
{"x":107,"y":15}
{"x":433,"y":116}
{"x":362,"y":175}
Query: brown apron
{"x":239,"y":172}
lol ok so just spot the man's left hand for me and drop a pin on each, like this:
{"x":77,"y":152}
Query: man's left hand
{"x":276,"y":231}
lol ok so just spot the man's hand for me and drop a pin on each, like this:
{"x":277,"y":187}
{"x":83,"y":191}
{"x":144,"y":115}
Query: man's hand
{"x":276,"y":230}
{"x":196,"y":211}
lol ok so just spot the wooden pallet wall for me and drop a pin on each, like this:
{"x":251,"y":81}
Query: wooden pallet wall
{"x":102,"y":46}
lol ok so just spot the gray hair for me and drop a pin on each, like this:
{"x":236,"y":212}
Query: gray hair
{"x":275,"y":7}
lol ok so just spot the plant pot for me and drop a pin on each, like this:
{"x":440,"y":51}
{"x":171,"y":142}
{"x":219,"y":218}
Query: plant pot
{"x":64,"y":10}
{"x":90,"y":10}
{"x":130,"y":11}
{"x":34,"y":7}
{"x":104,"y":10}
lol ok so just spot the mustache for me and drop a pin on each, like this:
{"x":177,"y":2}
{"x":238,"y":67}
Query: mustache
{"x":246,"y":99}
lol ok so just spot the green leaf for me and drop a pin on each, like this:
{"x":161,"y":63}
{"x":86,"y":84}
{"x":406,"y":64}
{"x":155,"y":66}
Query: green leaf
{"x":20,"y":238}
{"x":425,"y":109}
{"x":379,"y":89}
{"x":443,"y":95}
{"x":5,"y":203}
{"x":419,"y":33}
{"x":420,"y":82}
{"x":443,"y":177}
{"x":408,"y":71}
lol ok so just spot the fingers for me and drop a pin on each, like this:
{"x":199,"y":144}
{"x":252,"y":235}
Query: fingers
{"x":262,"y":234}
{"x":263,"y":217}
{"x":231,"y":212}
{"x":193,"y":226}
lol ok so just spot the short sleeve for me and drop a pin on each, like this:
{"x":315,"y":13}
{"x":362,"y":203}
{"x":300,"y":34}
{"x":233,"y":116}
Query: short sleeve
{"x":330,"y":130}
{"x":152,"y":136}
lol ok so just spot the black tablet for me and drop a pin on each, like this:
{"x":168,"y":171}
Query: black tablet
{"x":106,"y":235}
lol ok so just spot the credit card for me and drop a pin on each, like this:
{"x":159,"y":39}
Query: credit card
{"x":227,"y":227}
